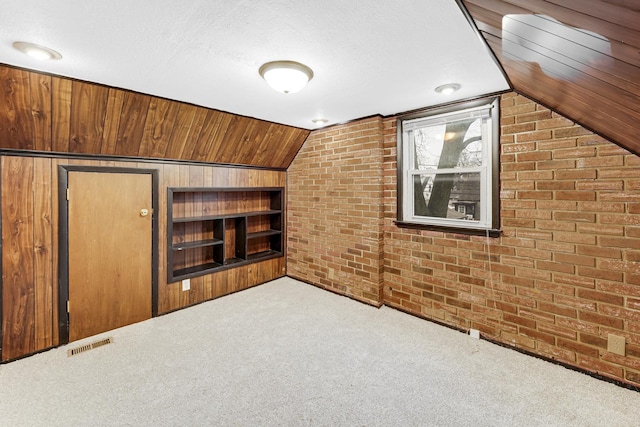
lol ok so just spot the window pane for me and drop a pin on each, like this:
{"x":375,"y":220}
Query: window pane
{"x":454,"y":196}
{"x":456,"y":144}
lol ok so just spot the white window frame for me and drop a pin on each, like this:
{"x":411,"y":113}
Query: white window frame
{"x":487,"y":109}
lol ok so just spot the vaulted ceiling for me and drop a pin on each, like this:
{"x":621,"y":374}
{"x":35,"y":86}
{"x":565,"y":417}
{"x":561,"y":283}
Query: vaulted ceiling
{"x":579,"y":57}
{"x":179,"y":80}
{"x":368,"y":57}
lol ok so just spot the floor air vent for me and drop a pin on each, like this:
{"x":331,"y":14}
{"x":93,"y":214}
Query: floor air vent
{"x":90,"y":346}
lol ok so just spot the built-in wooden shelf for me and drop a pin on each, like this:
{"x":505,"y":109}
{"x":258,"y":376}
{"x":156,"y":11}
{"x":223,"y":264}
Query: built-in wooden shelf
{"x":211,"y":229}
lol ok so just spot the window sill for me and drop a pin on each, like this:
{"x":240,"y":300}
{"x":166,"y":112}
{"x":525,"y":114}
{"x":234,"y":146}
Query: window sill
{"x":457,"y":230}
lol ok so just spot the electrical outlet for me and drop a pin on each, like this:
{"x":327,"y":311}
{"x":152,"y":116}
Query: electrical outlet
{"x":186,"y":284}
{"x":616,"y":345}
{"x":474,"y":333}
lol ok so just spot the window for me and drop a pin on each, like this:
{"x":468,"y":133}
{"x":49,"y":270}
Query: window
{"x":448,"y":167}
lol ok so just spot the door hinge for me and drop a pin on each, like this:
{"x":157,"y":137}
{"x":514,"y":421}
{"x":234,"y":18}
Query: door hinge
{"x":67,"y":306}
{"x":67,"y":194}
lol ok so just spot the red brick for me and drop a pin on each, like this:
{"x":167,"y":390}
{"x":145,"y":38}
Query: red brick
{"x":572,"y":131}
{"x":599,"y":319}
{"x":576,"y":174}
{"x":593,"y":340}
{"x":564,"y":268}
{"x":534,"y":136}
{"x":600,"y":162}
{"x":525,"y":127}
{"x":600,"y":296}
{"x":533,"y":156}
{"x":533,"y":117}
{"x":554,"y":123}
{"x":537,"y":335}
{"x":578,"y":348}
{"x":556,"y":164}
{"x":574,"y":153}
{"x":555,"y":185}
{"x":574,"y":216}
{"x":595,"y":365}
{"x":535,"y":175}
{"x":518,"y":320}
{"x":619,"y":242}
{"x":538,"y":195}
{"x":575,"y":259}
{"x":575,"y":195}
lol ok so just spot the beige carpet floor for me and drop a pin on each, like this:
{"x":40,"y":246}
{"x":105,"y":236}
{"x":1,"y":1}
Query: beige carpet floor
{"x":288,"y":354}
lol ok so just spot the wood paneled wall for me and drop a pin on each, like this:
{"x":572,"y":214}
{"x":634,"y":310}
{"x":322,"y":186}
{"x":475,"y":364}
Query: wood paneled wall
{"x":47,"y":113}
{"x":550,"y":55}
{"x":30,"y":244}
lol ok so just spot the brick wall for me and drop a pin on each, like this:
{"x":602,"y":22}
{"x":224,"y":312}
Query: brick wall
{"x":564,"y":273}
{"x":334,"y":214}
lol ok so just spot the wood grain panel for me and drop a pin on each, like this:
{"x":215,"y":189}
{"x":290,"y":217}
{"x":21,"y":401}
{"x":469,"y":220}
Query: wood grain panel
{"x":194,"y":134}
{"x":131,"y":128}
{"x":629,"y":4}
{"x":187,"y":211}
{"x":16,"y":130}
{"x":54,"y":248}
{"x":592,"y":80}
{"x":196,"y":179}
{"x":43,"y":254}
{"x":157,"y":133}
{"x":30,"y":243}
{"x":271,"y":137}
{"x":290,"y":147}
{"x":238,"y":141}
{"x":41,"y":110}
{"x":181,"y":133}
{"x":88,"y":107}
{"x":619,"y":15}
{"x":212,"y":137}
{"x":61,"y":114}
{"x":588,"y":21}
{"x":113,"y":114}
{"x":18,"y":269}
{"x":572,"y":100}
{"x":49,"y":113}
{"x":168,"y":293}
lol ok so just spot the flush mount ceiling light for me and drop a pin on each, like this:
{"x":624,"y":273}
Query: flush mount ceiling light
{"x":37,"y":51}
{"x":319,"y":121}
{"x":448,"y":89}
{"x":286,"y":76}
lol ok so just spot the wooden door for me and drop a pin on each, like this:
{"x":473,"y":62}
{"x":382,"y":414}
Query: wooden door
{"x":110,"y":251}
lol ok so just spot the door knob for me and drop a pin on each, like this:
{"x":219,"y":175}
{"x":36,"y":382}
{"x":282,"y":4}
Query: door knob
{"x":144,"y":212}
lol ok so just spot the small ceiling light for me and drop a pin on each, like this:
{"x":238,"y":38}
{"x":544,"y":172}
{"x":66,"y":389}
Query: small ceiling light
{"x":448,"y":89}
{"x":286,"y":76}
{"x":319,"y":121}
{"x":37,"y":51}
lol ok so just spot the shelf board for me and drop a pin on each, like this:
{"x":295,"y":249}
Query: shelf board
{"x":265,"y":254}
{"x":195,"y":269}
{"x":196,"y":244}
{"x":224,"y":189}
{"x":225,"y":216}
{"x":258,"y":213}
{"x":264,"y":233}
{"x":231,"y":261}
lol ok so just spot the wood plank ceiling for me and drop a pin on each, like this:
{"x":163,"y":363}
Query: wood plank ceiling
{"x":580,"y":58}
{"x":47,"y":113}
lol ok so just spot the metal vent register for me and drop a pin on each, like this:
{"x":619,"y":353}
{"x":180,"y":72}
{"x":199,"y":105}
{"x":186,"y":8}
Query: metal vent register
{"x":90,"y":346}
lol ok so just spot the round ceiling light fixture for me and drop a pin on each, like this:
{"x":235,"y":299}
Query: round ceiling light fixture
{"x":37,"y":51}
{"x":286,"y":76}
{"x":320,"y":121}
{"x":448,"y":89}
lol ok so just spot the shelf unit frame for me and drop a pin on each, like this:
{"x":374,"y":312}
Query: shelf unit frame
{"x":216,"y":226}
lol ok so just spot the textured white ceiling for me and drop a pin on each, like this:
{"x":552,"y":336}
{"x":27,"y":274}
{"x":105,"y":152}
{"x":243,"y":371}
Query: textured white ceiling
{"x":369,"y":56}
